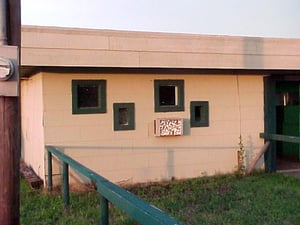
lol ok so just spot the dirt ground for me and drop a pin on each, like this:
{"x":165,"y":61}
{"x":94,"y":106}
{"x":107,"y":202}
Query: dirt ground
{"x":290,"y":168}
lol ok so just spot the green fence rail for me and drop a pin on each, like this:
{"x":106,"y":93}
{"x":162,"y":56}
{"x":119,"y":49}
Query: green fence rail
{"x":139,"y":210}
{"x":280,"y":137}
{"x":270,"y":159}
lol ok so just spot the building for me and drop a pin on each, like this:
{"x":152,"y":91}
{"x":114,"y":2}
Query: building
{"x":143,"y":106}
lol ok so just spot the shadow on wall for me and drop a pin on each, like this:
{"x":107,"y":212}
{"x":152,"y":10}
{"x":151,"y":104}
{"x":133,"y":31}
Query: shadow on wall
{"x":253,"y":53}
{"x":253,"y":59}
{"x":170,"y":164}
{"x":251,"y":153}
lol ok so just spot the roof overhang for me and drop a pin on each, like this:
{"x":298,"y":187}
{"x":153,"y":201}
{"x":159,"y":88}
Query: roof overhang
{"x":45,"y":47}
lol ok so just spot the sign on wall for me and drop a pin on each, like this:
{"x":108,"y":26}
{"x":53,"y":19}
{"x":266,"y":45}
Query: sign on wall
{"x":168,"y":127}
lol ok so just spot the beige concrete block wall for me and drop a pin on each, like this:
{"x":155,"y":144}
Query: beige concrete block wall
{"x":53,"y":46}
{"x":235,"y":106}
{"x":32,"y":134}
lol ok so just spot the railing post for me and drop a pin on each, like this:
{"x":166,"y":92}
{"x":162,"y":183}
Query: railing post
{"x":50,"y":184}
{"x":66,"y":185}
{"x":136,"y":208}
{"x":104,"y":211}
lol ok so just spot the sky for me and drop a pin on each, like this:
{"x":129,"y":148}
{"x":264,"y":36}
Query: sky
{"x":258,"y":18}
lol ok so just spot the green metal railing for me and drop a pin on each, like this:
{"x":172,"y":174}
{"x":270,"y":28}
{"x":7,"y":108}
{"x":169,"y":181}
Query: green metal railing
{"x":136,"y":208}
{"x":280,"y":137}
{"x":270,"y":158}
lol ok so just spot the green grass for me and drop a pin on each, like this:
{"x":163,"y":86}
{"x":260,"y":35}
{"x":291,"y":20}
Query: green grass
{"x":257,"y":199}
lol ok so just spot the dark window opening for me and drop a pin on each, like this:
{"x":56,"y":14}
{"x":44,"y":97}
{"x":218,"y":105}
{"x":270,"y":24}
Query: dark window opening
{"x":88,"y":96}
{"x":199,"y":114}
{"x":123,"y":116}
{"x":167,"y":95}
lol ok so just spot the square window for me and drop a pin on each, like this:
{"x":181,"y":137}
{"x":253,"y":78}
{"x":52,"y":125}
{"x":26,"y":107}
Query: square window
{"x":124,"y":116}
{"x":199,"y":114}
{"x":88,"y":96}
{"x":168,"y":95}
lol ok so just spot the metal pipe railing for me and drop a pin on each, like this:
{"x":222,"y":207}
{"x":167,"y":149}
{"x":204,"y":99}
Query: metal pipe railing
{"x":49,"y":183}
{"x":135,"y":207}
{"x":280,"y":137}
{"x":65,"y":181}
{"x":3,"y":22}
{"x":270,"y":159}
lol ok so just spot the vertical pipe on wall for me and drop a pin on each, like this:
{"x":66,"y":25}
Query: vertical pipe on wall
{"x":3,"y":22}
{"x":10,"y":141}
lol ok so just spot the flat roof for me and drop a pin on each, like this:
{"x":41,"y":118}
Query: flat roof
{"x":73,"y":47}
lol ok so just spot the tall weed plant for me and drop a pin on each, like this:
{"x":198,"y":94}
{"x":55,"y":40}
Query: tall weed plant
{"x":241,"y":168}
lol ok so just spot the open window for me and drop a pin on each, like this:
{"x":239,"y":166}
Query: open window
{"x":124,"y":116}
{"x":168,"y":95}
{"x":88,"y":96}
{"x":199,"y":114}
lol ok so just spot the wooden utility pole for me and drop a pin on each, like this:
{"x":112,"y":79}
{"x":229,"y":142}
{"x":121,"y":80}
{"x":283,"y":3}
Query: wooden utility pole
{"x":10,"y":142}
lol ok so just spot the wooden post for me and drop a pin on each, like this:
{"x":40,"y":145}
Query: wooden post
{"x":257,"y":157}
{"x":9,"y":161}
{"x":10,"y":141}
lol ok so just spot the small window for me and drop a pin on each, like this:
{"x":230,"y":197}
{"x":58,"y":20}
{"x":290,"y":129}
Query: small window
{"x":88,"y":96}
{"x":199,"y":114}
{"x":168,"y":95}
{"x":124,"y":116}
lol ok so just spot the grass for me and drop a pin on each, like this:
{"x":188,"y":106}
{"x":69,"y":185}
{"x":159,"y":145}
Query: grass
{"x":257,"y":199}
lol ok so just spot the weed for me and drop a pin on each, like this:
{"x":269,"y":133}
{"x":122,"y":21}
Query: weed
{"x":241,"y":168}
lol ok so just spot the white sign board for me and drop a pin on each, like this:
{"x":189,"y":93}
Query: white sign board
{"x":168,"y":127}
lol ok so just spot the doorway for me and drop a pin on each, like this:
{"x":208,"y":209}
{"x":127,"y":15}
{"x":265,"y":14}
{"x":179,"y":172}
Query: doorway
{"x":287,"y":123}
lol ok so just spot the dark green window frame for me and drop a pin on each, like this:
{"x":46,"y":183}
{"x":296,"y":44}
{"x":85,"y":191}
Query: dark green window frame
{"x":175,"y":101}
{"x":199,"y":114}
{"x":100,"y":106}
{"x":124,"y":118}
